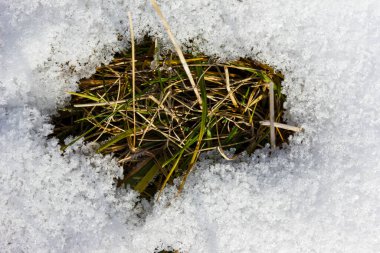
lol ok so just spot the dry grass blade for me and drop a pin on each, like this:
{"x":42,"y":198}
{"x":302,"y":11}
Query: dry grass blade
{"x":271,"y":116}
{"x":177,"y":49}
{"x":133,"y":78}
{"x":225,"y":156}
{"x":231,"y":94}
{"x":282,"y":126}
{"x":100,"y":104}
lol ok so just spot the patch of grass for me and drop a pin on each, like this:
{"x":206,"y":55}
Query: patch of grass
{"x":156,"y":125}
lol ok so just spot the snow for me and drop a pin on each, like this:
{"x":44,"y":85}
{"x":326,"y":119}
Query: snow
{"x":319,"y":194}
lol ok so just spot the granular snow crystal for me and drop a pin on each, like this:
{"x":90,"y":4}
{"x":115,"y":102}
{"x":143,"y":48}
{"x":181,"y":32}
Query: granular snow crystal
{"x":319,"y":194}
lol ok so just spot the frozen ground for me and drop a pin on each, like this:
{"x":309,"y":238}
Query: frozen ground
{"x":320,"y":194}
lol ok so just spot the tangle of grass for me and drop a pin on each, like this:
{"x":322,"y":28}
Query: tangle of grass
{"x":159,"y":135}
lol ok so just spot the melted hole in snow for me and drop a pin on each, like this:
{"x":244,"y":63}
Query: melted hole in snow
{"x":151,"y":119}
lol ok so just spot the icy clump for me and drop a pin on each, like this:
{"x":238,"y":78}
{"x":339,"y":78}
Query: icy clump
{"x":321,"y":194}
{"x":50,"y":201}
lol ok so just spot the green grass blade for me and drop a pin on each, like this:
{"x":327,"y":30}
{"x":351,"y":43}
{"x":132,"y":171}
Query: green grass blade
{"x":178,"y":156}
{"x":118,"y":138}
{"x":91,"y":97}
{"x":202,"y":129}
{"x":148,"y":177}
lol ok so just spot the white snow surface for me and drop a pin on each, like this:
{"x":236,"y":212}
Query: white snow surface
{"x":319,"y":194}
